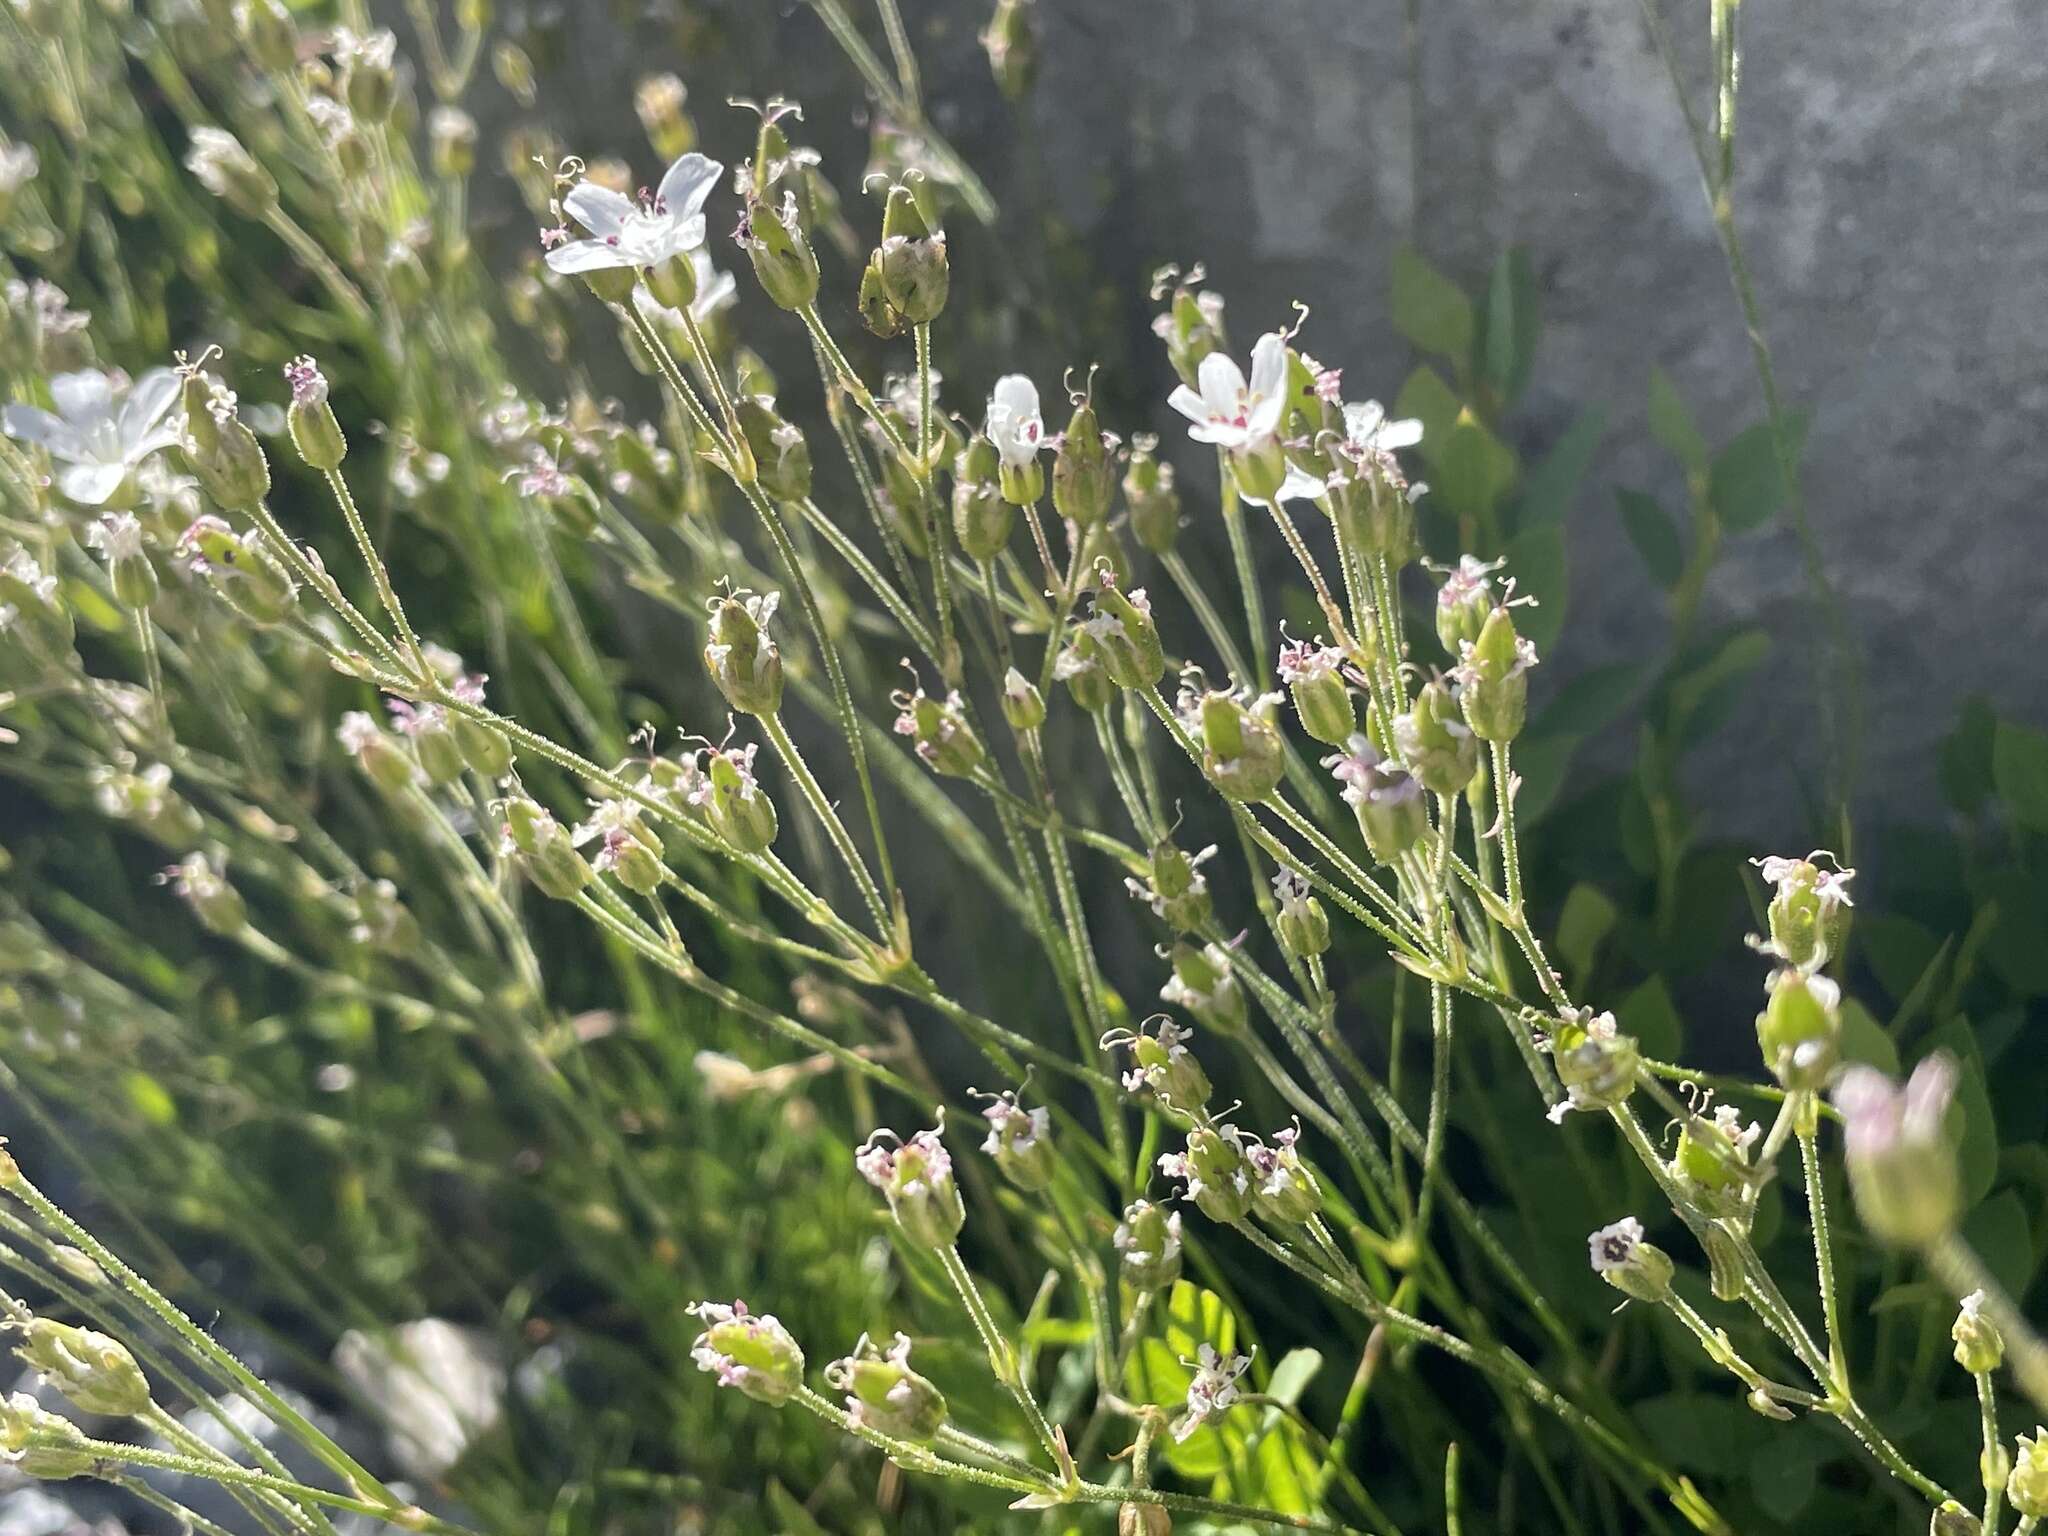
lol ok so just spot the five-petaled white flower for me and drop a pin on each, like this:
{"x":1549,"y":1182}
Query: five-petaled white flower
{"x":102,"y":430}
{"x":1613,"y":1246}
{"x":1014,"y":424}
{"x":642,"y":232}
{"x":1213,"y":1390}
{"x":1226,"y":410}
{"x":1368,"y":431}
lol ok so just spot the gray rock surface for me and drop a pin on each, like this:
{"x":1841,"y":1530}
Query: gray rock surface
{"x":1889,"y":190}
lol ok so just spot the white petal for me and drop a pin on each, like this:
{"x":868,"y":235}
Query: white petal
{"x":598,"y":209}
{"x":1222,"y":433}
{"x":1188,"y":403}
{"x":91,"y":484}
{"x":83,"y":398}
{"x":1299,"y":485}
{"x":1405,"y":433}
{"x":715,"y":289}
{"x":1222,"y":383}
{"x":33,"y":424}
{"x":1016,"y":394}
{"x":587,"y":256}
{"x":687,"y":183}
{"x":1269,"y":366}
{"x":1362,"y":419}
{"x":146,"y":404}
{"x":676,"y":237}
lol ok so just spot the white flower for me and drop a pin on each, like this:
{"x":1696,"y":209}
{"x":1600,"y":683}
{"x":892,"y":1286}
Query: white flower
{"x":1613,"y":1246}
{"x":1213,"y":1390}
{"x":1367,"y":430}
{"x":102,"y":429}
{"x":643,"y":233}
{"x":435,"y":1386}
{"x":1014,"y":424}
{"x":18,"y":166}
{"x":117,"y":536}
{"x":1229,"y":412}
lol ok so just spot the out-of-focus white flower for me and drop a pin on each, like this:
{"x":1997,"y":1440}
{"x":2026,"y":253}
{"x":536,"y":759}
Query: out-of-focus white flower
{"x":436,"y":1387}
{"x":102,"y":430}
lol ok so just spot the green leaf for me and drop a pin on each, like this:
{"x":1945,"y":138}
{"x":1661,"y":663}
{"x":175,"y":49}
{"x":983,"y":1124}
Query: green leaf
{"x":1865,"y":1040}
{"x":1474,"y":470}
{"x":1588,"y":917}
{"x":1293,"y":1374}
{"x":1429,"y":309}
{"x":1649,"y":1014}
{"x":1588,"y":703}
{"x":2019,"y":766}
{"x":1744,"y":483}
{"x":1654,"y":535}
{"x":1700,"y":699}
{"x":1966,"y":755}
{"x":1511,"y":322}
{"x":2004,"y":1239}
{"x":1671,"y":424}
{"x":1155,"y":1374}
{"x":1549,"y":488}
{"x":1536,"y":560}
{"x":1426,"y":397}
{"x":150,"y":1099}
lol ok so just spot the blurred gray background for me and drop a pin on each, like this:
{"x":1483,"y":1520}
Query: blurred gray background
{"x":1890,"y":193}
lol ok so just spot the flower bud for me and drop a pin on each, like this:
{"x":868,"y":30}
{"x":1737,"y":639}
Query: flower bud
{"x":1020,"y":1142}
{"x":982,"y":518}
{"x":1088,"y":685}
{"x":1177,"y":891}
{"x":218,"y":905}
{"x":1191,"y":329}
{"x":220,"y":450}
{"x":916,"y":1177}
{"x":673,"y":283}
{"x":1980,"y":1348}
{"x":783,"y":259}
{"x":227,"y":170}
{"x":1151,"y":497}
{"x":375,"y":753}
{"x":1597,"y":1064}
{"x":147,"y":799}
{"x":242,"y":571}
{"x":1903,"y":1170}
{"x":780,"y":452}
{"x":1809,"y":910}
{"x":433,"y":742}
{"x":483,"y":747}
{"x":1951,"y":1519}
{"x":1011,"y":43}
{"x":1143,"y":1520}
{"x":1120,"y":636}
{"x":1147,"y":1244}
{"x":382,"y":921}
{"x":1314,"y":675}
{"x":911,"y":260}
{"x":40,"y":1443}
{"x":882,"y":318}
{"x":1435,"y":743}
{"x":1242,"y":752}
{"x":1493,"y":679}
{"x":1638,"y":1269}
{"x":1284,"y":1192}
{"x":1083,"y":478}
{"x":659,"y":100}
{"x":1463,"y":603}
{"x":1163,"y":1066}
{"x":741,"y":657}
{"x":1711,"y":1162}
{"x":91,"y":1369}
{"x":118,"y":537}
{"x":1388,"y":801}
{"x":370,"y":81}
{"x":268,"y":32}
{"x":543,"y":850}
{"x":884,"y":1394}
{"x":627,"y":850}
{"x":755,"y":1354}
{"x":1799,"y":1031}
{"x":1375,"y":515}
{"x":1303,"y":925}
{"x":31,"y":596}
{"x":1203,"y":984}
{"x":1023,"y":704}
{"x":2027,"y":1488}
{"x":1727,"y":1271}
{"x":741,"y":811}
{"x":940,"y":732}
{"x":1218,"y":1177}
{"x":1013,"y":423}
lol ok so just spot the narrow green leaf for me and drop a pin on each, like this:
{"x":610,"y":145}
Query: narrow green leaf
{"x":2019,"y":767}
{"x":1511,"y":323}
{"x":1654,"y":535}
{"x":1671,"y":424}
{"x":1552,"y":486}
{"x":1429,"y":309}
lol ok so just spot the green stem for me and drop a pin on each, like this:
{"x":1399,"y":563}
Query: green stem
{"x":1992,"y":1461}
{"x":380,"y":574}
{"x":1824,"y":1257}
{"x":821,"y":807}
{"x":1001,"y":1358}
